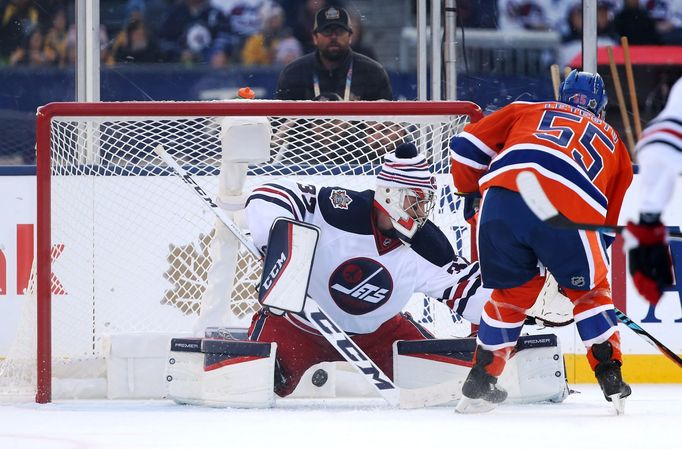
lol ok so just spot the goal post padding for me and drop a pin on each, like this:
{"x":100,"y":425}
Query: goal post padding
{"x":123,"y":246}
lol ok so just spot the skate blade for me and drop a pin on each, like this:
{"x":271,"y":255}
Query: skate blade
{"x":467,"y":405}
{"x":618,"y":403}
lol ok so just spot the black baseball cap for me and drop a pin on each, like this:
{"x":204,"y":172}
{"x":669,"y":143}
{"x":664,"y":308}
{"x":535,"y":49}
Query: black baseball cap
{"x":331,"y":15}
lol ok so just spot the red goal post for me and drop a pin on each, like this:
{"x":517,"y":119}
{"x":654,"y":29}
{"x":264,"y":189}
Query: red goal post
{"x":104,"y":132}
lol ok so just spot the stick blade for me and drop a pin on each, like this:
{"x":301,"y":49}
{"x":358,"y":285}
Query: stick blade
{"x":536,"y":199}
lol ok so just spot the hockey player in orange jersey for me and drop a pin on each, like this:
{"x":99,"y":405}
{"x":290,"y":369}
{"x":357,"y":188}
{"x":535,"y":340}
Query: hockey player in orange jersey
{"x":585,"y":169}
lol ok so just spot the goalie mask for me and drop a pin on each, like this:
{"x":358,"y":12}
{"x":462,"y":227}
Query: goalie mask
{"x":405,"y":190}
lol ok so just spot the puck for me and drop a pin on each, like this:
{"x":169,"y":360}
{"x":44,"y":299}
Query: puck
{"x":320,"y":377}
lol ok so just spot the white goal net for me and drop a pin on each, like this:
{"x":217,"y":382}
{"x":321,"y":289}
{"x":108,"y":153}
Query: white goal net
{"x":130,"y":242}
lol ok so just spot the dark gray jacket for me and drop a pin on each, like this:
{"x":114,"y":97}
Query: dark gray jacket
{"x":369,"y":80}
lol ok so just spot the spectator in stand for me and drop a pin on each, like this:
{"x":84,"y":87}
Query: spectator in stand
{"x":305,"y":20}
{"x":333,"y":66}
{"x":71,"y":44}
{"x":274,"y":44}
{"x":572,"y":31}
{"x":636,"y":23}
{"x":667,"y":15}
{"x":32,"y":52}
{"x":56,"y":39}
{"x":196,"y":32}
{"x":135,"y":43}
{"x":17,"y":19}
{"x":47,"y":9}
{"x":246,"y":17}
{"x":532,"y":15}
{"x":358,"y":45}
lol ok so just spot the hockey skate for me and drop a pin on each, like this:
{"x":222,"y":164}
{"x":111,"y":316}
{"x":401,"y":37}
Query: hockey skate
{"x":610,"y":378}
{"x":480,"y":392}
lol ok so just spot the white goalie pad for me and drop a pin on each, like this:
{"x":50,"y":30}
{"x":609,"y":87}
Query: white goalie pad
{"x":221,"y":373}
{"x":534,"y":374}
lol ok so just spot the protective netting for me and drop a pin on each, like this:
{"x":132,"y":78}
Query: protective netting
{"x":131,"y":241}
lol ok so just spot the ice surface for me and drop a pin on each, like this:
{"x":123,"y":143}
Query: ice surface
{"x":652,"y":418}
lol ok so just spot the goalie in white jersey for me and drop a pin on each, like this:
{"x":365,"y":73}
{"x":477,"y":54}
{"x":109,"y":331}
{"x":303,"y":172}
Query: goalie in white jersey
{"x":376,"y":249}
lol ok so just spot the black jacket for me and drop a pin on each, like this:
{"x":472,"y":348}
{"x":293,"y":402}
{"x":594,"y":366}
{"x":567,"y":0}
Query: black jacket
{"x":369,"y":80}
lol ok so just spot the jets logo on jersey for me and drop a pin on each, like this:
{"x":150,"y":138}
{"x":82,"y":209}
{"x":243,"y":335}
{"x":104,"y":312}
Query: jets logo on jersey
{"x":340,"y":199}
{"x":360,"y":285}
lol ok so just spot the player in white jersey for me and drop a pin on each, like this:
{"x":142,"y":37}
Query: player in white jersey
{"x":376,"y":249}
{"x":659,"y":154}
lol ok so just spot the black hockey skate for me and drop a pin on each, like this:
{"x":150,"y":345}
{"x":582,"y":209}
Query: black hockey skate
{"x":480,"y":392}
{"x":609,"y":376}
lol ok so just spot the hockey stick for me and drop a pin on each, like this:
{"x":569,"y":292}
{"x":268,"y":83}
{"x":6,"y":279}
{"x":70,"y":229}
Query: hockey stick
{"x":536,"y":199}
{"x":637,"y":329}
{"x":332,"y":332}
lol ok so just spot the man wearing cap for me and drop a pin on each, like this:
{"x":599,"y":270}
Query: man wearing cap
{"x":333,"y":67}
{"x":376,"y":249}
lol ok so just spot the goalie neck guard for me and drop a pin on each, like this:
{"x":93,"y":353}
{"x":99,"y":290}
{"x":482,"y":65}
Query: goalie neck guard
{"x":405,"y":190}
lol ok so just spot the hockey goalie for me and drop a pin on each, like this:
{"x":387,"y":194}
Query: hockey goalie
{"x":376,"y":249}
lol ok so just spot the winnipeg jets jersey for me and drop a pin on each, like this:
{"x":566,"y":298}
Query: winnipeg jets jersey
{"x":659,"y":153}
{"x":361,"y":277}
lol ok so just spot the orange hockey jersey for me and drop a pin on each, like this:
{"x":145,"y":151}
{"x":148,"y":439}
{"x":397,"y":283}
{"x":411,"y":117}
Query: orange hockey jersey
{"x":579,"y":159}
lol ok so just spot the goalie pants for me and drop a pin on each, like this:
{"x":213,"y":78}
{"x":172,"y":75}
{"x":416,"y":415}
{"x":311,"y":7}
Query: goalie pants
{"x":511,"y":241}
{"x":300,"y":346}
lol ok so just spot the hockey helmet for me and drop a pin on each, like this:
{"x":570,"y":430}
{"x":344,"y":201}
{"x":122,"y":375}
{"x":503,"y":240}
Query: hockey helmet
{"x":406,"y":190}
{"x":584,"y":90}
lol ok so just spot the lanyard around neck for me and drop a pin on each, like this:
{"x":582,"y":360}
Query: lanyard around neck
{"x":346,"y":92}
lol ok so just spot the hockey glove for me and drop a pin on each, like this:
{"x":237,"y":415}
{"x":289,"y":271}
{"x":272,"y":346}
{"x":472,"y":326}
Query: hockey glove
{"x":650,"y":262}
{"x":471,"y":204}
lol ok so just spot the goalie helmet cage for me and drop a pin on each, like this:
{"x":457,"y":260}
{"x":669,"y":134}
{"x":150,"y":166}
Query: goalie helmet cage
{"x":102,"y":196}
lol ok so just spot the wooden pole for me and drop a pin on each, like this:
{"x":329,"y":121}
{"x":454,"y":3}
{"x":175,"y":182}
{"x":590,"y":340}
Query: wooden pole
{"x":634,"y":105}
{"x":621,"y":101}
{"x":556,"y":79}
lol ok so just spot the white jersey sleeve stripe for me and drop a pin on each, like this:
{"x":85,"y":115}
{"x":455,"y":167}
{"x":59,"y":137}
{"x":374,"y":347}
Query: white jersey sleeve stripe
{"x":280,"y":197}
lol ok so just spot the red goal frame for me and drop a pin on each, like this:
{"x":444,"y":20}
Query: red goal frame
{"x":45,"y":115}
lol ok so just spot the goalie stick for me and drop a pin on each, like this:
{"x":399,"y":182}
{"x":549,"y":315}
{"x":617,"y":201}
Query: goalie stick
{"x":535,"y":197}
{"x":332,"y":332}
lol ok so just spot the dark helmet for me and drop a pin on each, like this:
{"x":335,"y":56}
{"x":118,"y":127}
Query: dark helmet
{"x":584,"y":90}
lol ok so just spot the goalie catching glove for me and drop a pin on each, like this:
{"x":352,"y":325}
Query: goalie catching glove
{"x":650,"y":263}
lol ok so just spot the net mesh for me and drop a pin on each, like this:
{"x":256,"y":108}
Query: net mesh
{"x":131,"y":241}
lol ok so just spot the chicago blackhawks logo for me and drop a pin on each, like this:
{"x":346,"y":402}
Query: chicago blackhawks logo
{"x":360,"y":285}
{"x":340,"y":199}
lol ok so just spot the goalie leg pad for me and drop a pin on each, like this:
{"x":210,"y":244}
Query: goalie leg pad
{"x":221,"y":373}
{"x":536,"y":371}
{"x":423,"y":363}
{"x":534,"y":374}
